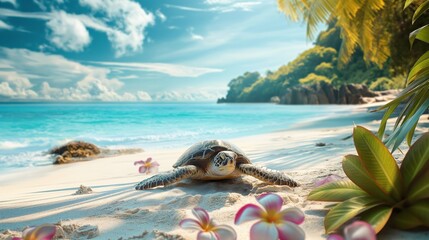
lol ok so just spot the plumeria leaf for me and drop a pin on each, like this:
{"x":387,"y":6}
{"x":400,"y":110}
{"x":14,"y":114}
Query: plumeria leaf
{"x":415,"y":160}
{"x":336,"y":191}
{"x":378,"y":161}
{"x":347,"y":210}
{"x":354,"y":169}
{"x":421,"y":211}
{"x":377,"y":217}
{"x":406,"y":220}
{"x":420,"y":187}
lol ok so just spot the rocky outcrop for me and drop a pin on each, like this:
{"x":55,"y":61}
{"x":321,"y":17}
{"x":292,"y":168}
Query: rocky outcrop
{"x":74,"y":151}
{"x":324,"y":93}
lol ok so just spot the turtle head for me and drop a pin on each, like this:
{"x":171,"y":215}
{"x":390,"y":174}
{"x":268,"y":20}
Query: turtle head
{"x":223,"y":163}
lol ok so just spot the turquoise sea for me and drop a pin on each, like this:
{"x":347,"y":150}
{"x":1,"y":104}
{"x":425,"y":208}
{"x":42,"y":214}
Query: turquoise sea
{"x":29,"y":130}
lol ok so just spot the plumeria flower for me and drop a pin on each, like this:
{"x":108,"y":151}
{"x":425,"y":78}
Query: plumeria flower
{"x":207,"y":229}
{"x":42,"y":232}
{"x":328,"y":179}
{"x":148,"y":166}
{"x":358,"y":230}
{"x":273,"y":223}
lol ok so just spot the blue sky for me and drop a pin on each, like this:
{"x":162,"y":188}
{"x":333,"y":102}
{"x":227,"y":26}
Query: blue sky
{"x":146,"y":50}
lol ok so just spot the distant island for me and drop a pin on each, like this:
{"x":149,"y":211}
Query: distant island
{"x":319,"y":69}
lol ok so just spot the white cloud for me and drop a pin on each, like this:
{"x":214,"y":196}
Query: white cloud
{"x":123,"y":21}
{"x":194,"y":36}
{"x":160,"y":15}
{"x":14,"y":85}
{"x":5,"y":90}
{"x":129,"y":21}
{"x":144,"y":96}
{"x":191,"y":95}
{"x":170,"y":69}
{"x":5,"y":26}
{"x":78,"y":82}
{"x":13,"y":2}
{"x":220,"y":6}
{"x":67,"y":32}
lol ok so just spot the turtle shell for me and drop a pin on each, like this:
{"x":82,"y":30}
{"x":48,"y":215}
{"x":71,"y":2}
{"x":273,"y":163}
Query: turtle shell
{"x":200,"y":154}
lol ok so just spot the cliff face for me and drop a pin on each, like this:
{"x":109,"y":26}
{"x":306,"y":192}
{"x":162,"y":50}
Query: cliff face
{"x":324,"y":93}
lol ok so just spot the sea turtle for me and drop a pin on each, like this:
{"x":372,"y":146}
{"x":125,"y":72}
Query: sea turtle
{"x":214,"y":160}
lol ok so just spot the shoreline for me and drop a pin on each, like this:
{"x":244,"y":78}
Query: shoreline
{"x":45,"y":194}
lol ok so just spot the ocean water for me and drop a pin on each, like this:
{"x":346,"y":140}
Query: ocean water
{"x":29,"y":130}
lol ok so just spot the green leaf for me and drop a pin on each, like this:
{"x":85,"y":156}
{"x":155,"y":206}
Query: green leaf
{"x":347,"y":210}
{"x":378,"y":161}
{"x":420,"y":10}
{"x":407,"y":3}
{"x":354,"y":169}
{"x":400,"y":133}
{"x":386,"y":117}
{"x":405,"y":220}
{"x":421,"y":34}
{"x":337,"y":191}
{"x":421,"y":211}
{"x":419,"y":69}
{"x":377,"y":217}
{"x":410,"y":134}
{"x":420,"y":187}
{"x":415,"y":160}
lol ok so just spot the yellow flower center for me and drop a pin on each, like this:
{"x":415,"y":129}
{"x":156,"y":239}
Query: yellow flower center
{"x":208,"y":227}
{"x":272,"y":217}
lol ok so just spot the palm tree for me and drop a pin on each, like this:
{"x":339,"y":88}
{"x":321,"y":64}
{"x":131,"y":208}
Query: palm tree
{"x":358,"y":22}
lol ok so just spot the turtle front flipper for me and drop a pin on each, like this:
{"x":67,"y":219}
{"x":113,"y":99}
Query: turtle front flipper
{"x":167,"y":178}
{"x":267,"y":175}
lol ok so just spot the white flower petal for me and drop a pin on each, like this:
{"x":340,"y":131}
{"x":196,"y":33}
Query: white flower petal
{"x":289,"y":230}
{"x":271,"y":202}
{"x":247,"y":213}
{"x":188,"y":223}
{"x":263,"y":231}
{"x":225,"y":232}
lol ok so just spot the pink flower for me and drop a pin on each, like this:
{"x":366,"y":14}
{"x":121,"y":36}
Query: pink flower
{"x":358,"y":230}
{"x":207,"y":229}
{"x":148,"y":167}
{"x":42,"y":232}
{"x":273,"y":223}
{"x":328,"y":179}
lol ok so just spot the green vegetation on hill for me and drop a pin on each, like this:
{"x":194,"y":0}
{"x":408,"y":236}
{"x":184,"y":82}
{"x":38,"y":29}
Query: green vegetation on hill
{"x":321,"y":63}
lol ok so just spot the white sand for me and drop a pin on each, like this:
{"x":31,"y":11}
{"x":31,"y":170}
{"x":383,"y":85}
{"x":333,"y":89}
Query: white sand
{"x":46,"y":194}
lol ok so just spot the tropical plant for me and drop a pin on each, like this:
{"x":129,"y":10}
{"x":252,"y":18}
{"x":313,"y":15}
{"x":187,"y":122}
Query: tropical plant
{"x":416,"y":94}
{"x":356,"y":18}
{"x":378,"y":190}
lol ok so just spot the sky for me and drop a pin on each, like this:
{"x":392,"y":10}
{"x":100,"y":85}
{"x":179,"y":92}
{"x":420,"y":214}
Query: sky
{"x":145,"y":50}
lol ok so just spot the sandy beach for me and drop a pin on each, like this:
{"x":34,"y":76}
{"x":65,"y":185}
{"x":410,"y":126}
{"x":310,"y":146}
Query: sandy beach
{"x":40,"y":195}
